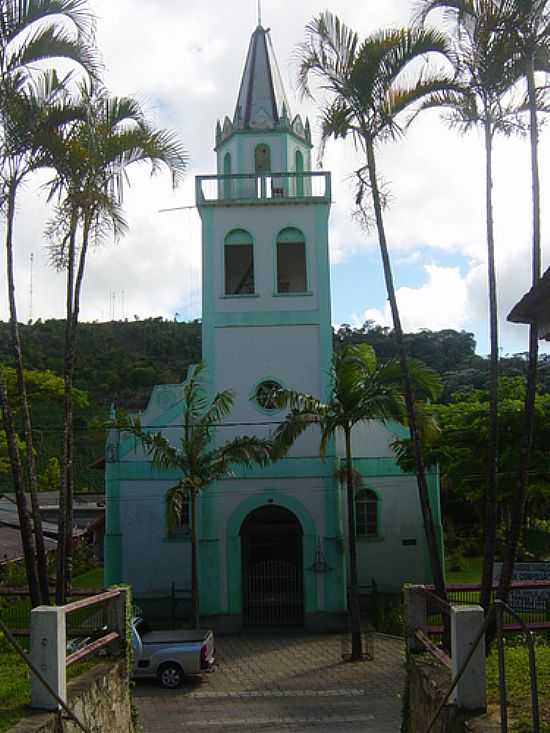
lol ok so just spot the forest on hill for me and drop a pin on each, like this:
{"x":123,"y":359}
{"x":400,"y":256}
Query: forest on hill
{"x":120,"y":361}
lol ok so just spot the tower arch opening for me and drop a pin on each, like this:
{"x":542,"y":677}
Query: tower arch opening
{"x":262,"y":159}
{"x":291,"y":261}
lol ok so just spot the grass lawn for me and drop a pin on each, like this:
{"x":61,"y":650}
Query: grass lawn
{"x":14,"y":681}
{"x":518,"y":687}
{"x":470,"y":572}
{"x":92,"y":579}
{"x":16,"y":615}
{"x":15,"y":687}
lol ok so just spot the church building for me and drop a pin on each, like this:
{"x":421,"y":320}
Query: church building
{"x":272,"y":541}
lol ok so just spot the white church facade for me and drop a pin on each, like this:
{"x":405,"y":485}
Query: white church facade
{"x":272,"y":541}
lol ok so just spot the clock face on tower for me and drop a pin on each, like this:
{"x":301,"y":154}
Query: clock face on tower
{"x":262,"y":159}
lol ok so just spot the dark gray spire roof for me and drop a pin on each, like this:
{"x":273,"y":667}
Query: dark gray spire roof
{"x":262,"y":100}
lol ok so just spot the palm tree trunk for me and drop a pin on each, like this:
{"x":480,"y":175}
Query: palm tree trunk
{"x":41,"y":558}
{"x":25,"y":524}
{"x":490,"y":522}
{"x":427,"y":515}
{"x":520,"y":497}
{"x":194,"y":564}
{"x":355,"y":611}
{"x":64,"y":528}
{"x":70,"y":352}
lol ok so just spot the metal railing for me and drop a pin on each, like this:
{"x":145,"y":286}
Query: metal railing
{"x":90,"y":645}
{"x":530,"y":599}
{"x":15,"y":611}
{"x":253,"y":188}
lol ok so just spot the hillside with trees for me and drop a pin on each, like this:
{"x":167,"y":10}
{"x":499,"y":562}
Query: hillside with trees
{"x":119,"y":362}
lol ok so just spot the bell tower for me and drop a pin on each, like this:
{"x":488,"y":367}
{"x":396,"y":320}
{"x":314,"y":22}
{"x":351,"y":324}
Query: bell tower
{"x":266,"y":322}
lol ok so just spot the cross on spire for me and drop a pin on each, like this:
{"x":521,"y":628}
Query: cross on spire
{"x":259,"y":12}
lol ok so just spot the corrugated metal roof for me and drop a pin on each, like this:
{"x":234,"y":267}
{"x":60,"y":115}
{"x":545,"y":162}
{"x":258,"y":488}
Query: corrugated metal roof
{"x":534,"y":303}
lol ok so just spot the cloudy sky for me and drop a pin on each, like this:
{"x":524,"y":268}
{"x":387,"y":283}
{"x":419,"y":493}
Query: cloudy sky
{"x":184,"y":60}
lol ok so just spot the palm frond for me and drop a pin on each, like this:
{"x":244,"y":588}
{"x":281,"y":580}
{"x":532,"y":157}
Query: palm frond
{"x":289,"y":431}
{"x":20,"y":15}
{"x":328,"y":54}
{"x":49,"y":43}
{"x":245,"y":451}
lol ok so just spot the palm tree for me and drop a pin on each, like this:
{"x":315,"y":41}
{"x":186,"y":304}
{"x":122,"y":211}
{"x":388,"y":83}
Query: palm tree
{"x":368,"y":91}
{"x":91,"y":160}
{"x":200,"y":461}
{"x":27,"y":117}
{"x":527,"y":25}
{"x":486,"y":73}
{"x":31,"y":32}
{"x":25,"y":524}
{"x":361,"y":389}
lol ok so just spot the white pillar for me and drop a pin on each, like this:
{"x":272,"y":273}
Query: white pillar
{"x":48,"y":654}
{"x":470,"y":692}
{"x":415,"y":616}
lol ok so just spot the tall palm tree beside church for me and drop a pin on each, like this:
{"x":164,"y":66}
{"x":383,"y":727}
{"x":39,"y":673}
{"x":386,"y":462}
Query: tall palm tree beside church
{"x":485,"y":77}
{"x":527,"y":26}
{"x":91,"y":160}
{"x":361,"y":389}
{"x":32,"y":32}
{"x":198,"y":457}
{"x":369,"y":85}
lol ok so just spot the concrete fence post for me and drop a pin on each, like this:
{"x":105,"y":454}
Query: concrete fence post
{"x":48,"y":654}
{"x":116,"y":620}
{"x":415,"y":616}
{"x":470,"y":692}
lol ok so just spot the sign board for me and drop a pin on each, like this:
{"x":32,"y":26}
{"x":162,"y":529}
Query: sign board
{"x":532,"y":599}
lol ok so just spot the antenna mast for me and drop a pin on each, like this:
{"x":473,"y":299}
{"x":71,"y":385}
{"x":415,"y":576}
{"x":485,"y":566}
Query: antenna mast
{"x":30,"y":287}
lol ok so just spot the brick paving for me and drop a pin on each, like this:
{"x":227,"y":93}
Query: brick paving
{"x":283,"y":682}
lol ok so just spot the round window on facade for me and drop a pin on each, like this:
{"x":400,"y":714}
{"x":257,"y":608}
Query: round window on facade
{"x":266,"y":393}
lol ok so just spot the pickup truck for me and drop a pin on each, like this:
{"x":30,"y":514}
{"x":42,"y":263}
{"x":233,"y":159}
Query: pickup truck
{"x":169,"y":655}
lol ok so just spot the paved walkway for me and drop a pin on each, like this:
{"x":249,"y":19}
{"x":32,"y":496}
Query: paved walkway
{"x":283,"y":683}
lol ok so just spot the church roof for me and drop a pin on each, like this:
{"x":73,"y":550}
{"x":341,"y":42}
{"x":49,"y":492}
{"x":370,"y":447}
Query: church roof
{"x":262,"y":100}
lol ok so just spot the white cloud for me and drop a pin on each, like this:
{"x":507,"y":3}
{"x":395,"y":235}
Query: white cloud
{"x":442,"y":302}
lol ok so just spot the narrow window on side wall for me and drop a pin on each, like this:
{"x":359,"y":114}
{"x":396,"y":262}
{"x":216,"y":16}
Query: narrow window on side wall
{"x":366,"y":513}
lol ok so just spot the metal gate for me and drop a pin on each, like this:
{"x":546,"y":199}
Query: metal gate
{"x":273,"y":594}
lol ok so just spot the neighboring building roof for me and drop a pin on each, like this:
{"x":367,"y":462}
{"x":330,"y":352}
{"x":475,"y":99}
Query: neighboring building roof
{"x":10,"y":544}
{"x":262,"y":100}
{"x":534,"y":307}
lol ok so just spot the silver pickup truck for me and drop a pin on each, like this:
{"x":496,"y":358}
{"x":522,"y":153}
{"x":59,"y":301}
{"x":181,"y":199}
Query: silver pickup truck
{"x":169,"y":655}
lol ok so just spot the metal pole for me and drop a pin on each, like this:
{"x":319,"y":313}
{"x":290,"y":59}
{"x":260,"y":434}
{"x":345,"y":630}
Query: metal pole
{"x":501,"y":670}
{"x":28,"y":662}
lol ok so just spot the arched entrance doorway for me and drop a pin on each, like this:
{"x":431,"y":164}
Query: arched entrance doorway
{"x":273,"y":588}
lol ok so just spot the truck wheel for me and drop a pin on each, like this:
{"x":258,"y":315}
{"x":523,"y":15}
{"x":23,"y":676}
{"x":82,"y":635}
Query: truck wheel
{"x":170,"y":675}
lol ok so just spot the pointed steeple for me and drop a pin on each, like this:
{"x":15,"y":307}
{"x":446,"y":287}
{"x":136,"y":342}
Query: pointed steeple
{"x":262,"y":100}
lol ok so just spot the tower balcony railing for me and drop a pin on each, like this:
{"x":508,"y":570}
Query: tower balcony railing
{"x":250,"y":188}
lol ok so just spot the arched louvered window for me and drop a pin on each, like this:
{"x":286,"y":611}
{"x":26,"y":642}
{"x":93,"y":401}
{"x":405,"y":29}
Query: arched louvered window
{"x":262,"y":159}
{"x":227,"y":172}
{"x":291,"y":261}
{"x":299,"y":173}
{"x":239,"y":263}
{"x":366,"y":513}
